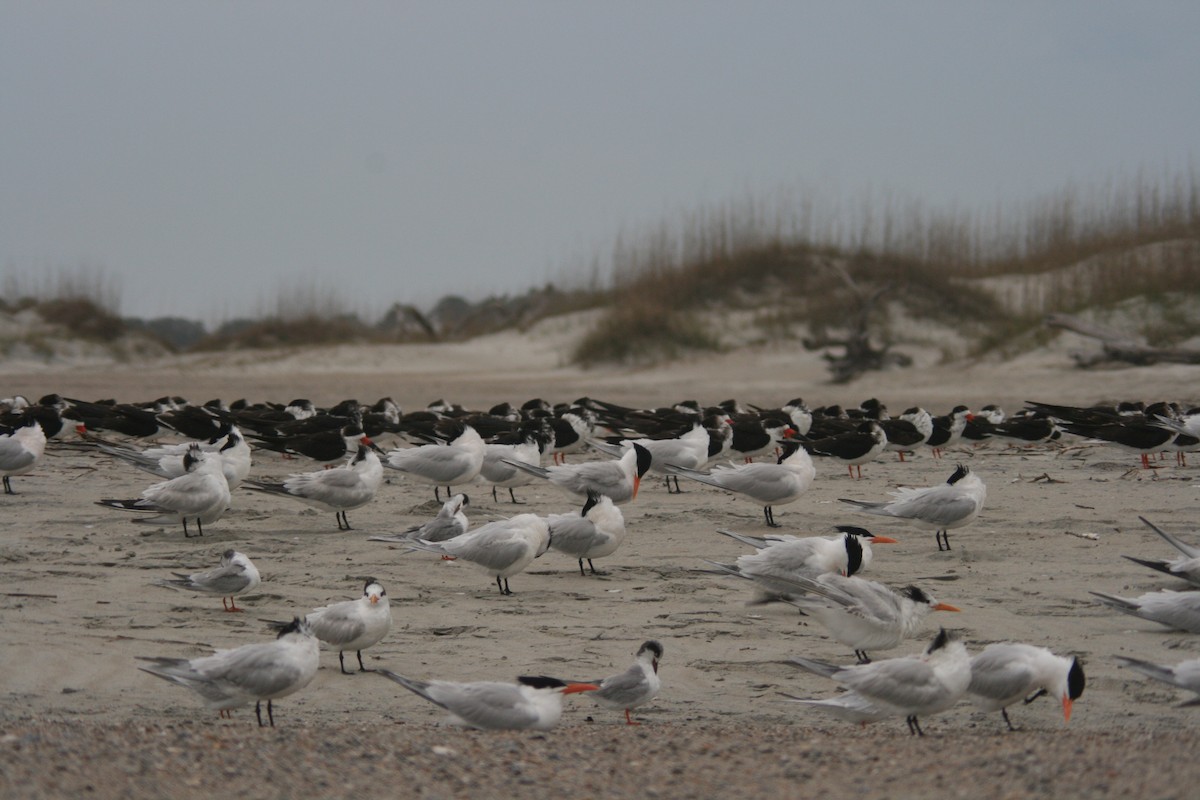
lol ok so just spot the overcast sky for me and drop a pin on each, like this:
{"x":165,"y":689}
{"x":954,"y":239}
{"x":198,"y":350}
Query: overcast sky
{"x":204,"y":155}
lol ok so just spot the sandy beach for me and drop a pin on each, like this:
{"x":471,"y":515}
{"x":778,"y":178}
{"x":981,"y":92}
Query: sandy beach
{"x":79,"y":601}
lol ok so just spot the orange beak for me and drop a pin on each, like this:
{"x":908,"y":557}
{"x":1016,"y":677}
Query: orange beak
{"x":944,"y":607}
{"x":366,"y":440}
{"x":637,"y":482}
{"x":1067,"y":703}
{"x":883,"y":540}
{"x":575,"y":688}
{"x":374,"y":599}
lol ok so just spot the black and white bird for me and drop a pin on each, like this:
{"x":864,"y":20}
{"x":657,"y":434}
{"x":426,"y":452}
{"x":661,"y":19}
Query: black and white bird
{"x":1007,"y":672}
{"x":200,"y":494}
{"x":789,"y":557}
{"x":354,"y":624}
{"x":450,"y":521}
{"x":533,"y":703}
{"x":20,"y":451}
{"x":236,"y":574}
{"x":853,"y":448}
{"x":340,"y":489}
{"x":940,"y":508}
{"x":502,"y":548}
{"x":864,"y":615}
{"x":230,"y":679}
{"x":596,"y":531}
{"x":617,"y":480}
{"x":635,"y":686}
{"x":910,"y":686}
{"x":453,"y":463}
{"x":770,"y":485}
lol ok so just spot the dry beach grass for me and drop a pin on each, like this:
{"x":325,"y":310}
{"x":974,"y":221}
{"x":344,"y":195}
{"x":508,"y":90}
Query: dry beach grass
{"x":78,"y":604}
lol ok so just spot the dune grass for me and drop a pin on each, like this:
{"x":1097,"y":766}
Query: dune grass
{"x":992,"y":276}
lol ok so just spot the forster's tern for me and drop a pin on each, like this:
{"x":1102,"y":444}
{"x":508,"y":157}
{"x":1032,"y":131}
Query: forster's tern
{"x":236,"y":574}
{"x":1005,"y":673}
{"x":862,"y":614}
{"x":1179,"y":610}
{"x":531,"y":704}
{"x":940,"y":508}
{"x":200,"y":494}
{"x":768,"y":484}
{"x":354,"y":624}
{"x":617,"y":480}
{"x":1184,"y":675}
{"x":450,"y":521}
{"x":20,"y":451}
{"x":230,"y":679}
{"x":502,"y":548}
{"x":594,"y":532}
{"x":635,"y":686}
{"x":451,"y":464}
{"x":911,"y":686}
{"x":340,"y":489}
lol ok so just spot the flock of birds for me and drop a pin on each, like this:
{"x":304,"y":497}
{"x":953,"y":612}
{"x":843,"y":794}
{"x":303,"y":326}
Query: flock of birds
{"x":763,"y":455}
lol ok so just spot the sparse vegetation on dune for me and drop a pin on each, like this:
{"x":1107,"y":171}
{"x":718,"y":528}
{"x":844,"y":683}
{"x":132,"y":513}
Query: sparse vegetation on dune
{"x":992,"y":279}
{"x":1127,"y":253}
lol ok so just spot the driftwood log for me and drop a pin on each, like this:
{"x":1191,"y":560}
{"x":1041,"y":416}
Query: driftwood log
{"x":1118,"y":346}
{"x":858,"y":354}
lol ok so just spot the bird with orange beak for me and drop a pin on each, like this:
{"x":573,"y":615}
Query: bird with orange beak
{"x":1005,"y":673}
{"x":354,"y":624}
{"x":617,"y":480}
{"x":533,"y":703}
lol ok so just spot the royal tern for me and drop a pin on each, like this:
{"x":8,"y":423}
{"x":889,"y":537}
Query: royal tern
{"x":793,"y":556}
{"x":940,"y":508}
{"x":688,"y":451}
{"x":166,"y":461}
{"x":594,"y":532}
{"x":453,"y":463}
{"x":862,"y":614}
{"x":501,"y":548}
{"x":635,"y":686}
{"x":768,"y":484}
{"x":1187,"y":567}
{"x":1178,"y":610}
{"x":502,"y":475}
{"x":910,"y":686}
{"x":853,"y":448}
{"x":534,"y":703}
{"x":236,"y":574}
{"x":340,"y":489}
{"x":449,"y":522}
{"x":201,"y":494}
{"x":1005,"y":673}
{"x":1184,"y":675}
{"x":617,"y":480}
{"x":20,"y":451}
{"x":354,"y":624}
{"x":229,"y":679}
{"x":847,"y":706}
